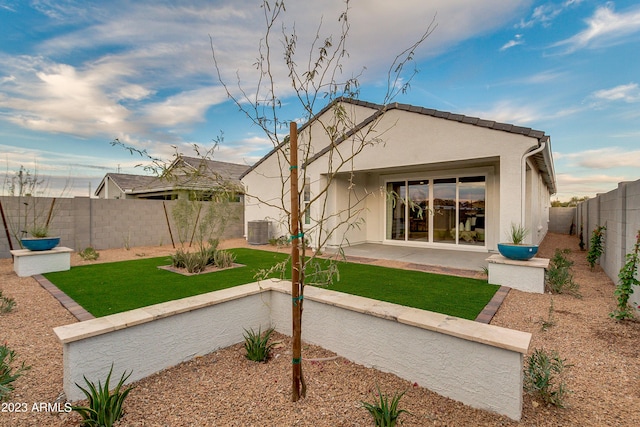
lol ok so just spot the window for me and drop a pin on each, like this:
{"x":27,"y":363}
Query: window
{"x":443,"y":210}
{"x":307,"y":198}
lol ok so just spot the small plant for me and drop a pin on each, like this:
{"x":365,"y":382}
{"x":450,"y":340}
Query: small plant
{"x":193,"y":262}
{"x":223,"y":259}
{"x":104,"y":407}
{"x":559,"y":279}
{"x":517,"y":234}
{"x":543,"y":377}
{"x":6,"y":304}
{"x":280,"y":241}
{"x":385,"y":413}
{"x":257,"y":344}
{"x":596,"y":247}
{"x":627,"y":278}
{"x":126,"y":241}
{"x":7,"y":373}
{"x":206,"y":255}
{"x":39,"y":231}
{"x":581,"y":244}
{"x":89,"y":254}
{"x":550,"y":321}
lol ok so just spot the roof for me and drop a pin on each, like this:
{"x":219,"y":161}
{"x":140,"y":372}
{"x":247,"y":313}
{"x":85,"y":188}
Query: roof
{"x":226,"y":170}
{"x":126,"y":182}
{"x":211,"y":173}
{"x":543,"y":160}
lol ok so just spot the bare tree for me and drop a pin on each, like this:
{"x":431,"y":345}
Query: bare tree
{"x":316,"y":79}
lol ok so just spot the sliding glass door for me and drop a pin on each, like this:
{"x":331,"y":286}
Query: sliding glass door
{"x":396,"y":210}
{"x":418,"y":213}
{"x":444,"y":210}
{"x":440,"y":210}
{"x":471,"y":211}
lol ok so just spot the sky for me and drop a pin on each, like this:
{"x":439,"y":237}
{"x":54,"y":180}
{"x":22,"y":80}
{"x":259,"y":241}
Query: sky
{"x":77,"y":75}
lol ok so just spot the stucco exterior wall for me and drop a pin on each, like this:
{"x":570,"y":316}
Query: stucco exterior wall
{"x":475,"y":363}
{"x":411,"y":144}
{"x":107,"y":223}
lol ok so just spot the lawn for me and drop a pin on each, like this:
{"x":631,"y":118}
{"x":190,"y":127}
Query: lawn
{"x":104,"y":289}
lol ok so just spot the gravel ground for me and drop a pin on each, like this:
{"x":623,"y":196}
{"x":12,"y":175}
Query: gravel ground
{"x":225,"y":389}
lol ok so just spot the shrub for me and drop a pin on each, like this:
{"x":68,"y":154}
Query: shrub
{"x":89,"y":254}
{"x":193,"y":262}
{"x":627,"y":278}
{"x":223,"y":259}
{"x":7,"y":373}
{"x":104,"y":407}
{"x":543,"y":377}
{"x":559,"y":276}
{"x":196,"y":262}
{"x":280,"y":241}
{"x":257,"y":344}
{"x":385,"y":413}
{"x":596,"y":247}
{"x":6,"y":304}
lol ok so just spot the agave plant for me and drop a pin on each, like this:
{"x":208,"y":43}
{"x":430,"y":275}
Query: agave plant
{"x":7,"y":373}
{"x":104,"y":407}
{"x":385,"y":413}
{"x":257,"y":344}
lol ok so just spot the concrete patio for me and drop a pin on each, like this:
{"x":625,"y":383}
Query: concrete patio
{"x":457,"y":262}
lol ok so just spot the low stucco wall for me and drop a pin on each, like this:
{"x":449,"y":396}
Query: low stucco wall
{"x":477,"y":364}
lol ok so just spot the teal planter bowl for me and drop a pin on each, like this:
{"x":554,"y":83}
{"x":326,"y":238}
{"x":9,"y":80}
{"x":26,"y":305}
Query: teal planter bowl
{"x":517,"y":252}
{"x":40,"y":243}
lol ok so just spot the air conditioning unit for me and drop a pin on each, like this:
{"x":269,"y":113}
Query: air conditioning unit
{"x":258,"y":232}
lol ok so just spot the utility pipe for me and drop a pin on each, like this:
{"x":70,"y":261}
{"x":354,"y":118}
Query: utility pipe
{"x":523,"y":177}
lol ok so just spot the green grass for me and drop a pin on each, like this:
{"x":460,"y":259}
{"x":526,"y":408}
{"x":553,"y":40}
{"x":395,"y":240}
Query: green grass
{"x":104,"y":289}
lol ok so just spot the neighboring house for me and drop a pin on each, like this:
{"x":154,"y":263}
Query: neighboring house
{"x":185,"y":177}
{"x":459,"y":182}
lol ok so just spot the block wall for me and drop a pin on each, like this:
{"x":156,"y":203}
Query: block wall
{"x":619,"y":211}
{"x":560,"y":220}
{"x":101,"y":223}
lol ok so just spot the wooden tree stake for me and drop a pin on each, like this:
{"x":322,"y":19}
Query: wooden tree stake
{"x":297,"y":390}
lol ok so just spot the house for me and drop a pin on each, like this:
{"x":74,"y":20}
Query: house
{"x":405,"y":175}
{"x":184,"y":178}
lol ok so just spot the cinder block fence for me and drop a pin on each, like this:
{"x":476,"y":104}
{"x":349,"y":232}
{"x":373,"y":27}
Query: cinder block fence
{"x":104,"y":223}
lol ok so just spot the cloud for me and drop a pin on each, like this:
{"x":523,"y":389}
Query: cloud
{"x":570,"y":185}
{"x":138,"y":68}
{"x":605,"y":28}
{"x":511,"y":111}
{"x":628,"y":93}
{"x":545,"y":14}
{"x":518,"y":40}
{"x":602,"y":158}
{"x":184,"y":108}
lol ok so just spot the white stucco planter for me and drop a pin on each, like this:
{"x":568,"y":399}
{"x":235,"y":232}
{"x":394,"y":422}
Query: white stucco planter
{"x":477,"y":364}
{"x":527,"y":276}
{"x":27,"y":263}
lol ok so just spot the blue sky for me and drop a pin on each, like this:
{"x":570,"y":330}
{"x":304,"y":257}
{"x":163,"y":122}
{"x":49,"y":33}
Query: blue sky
{"x":75,"y":75}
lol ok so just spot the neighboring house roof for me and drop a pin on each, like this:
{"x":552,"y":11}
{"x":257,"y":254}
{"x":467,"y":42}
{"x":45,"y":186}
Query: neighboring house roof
{"x":543,"y":159}
{"x":200,"y":174}
{"x":126,"y":182}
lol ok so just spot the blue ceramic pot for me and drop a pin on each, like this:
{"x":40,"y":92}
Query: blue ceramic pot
{"x":517,"y":252}
{"x":40,"y":243}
